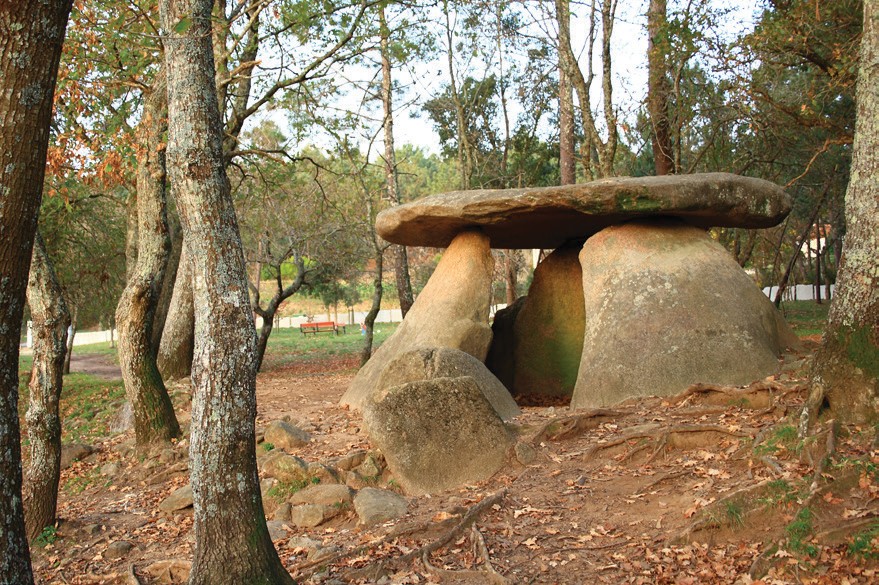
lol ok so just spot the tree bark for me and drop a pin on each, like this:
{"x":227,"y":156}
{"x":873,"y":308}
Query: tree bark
{"x":845,"y":372}
{"x":392,"y":184}
{"x":567,"y":166}
{"x":32,"y":33}
{"x":164,"y":304}
{"x":232,"y":543}
{"x":268,"y":313}
{"x":178,"y":336}
{"x":369,"y":320}
{"x":658,"y":88}
{"x":71,"y":334}
{"x":465,"y":151}
{"x":154,"y":419}
{"x":50,"y":321}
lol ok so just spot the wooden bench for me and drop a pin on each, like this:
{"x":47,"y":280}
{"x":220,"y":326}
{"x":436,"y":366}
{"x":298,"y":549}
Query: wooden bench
{"x":321,"y":327}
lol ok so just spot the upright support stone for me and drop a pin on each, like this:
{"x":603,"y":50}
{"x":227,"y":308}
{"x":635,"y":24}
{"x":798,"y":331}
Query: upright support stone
{"x":452,"y":311}
{"x":666,"y":307}
{"x":549,"y":328}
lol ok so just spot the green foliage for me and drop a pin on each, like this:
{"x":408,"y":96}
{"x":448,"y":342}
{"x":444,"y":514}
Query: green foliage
{"x":799,"y":530}
{"x":283,"y":489}
{"x":783,"y":438}
{"x":48,"y":535}
{"x":779,"y":491}
{"x":865,"y":544}
{"x":806,"y":317}
{"x":288,"y":347}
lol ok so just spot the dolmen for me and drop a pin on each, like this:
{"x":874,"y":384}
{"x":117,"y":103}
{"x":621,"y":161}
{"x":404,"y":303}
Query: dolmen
{"x":636,"y":299}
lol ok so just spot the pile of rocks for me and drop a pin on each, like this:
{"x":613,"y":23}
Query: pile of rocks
{"x":636,"y":299}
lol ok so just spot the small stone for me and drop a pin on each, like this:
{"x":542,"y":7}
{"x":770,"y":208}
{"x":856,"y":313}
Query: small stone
{"x":371,"y":468}
{"x":326,"y":495}
{"x":118,"y":549}
{"x":356,"y":481}
{"x":277,"y":530}
{"x":525,"y":453}
{"x":351,"y":460}
{"x":91,"y":528}
{"x":308,"y":515}
{"x":286,"y":468}
{"x":74,"y":452}
{"x":285,"y":435}
{"x":323,"y":473}
{"x":375,"y":506}
{"x":282,"y":513}
{"x":303,"y":542}
{"x":178,"y":500}
{"x":110,"y":469}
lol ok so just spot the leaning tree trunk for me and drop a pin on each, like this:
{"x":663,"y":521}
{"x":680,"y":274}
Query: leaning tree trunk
{"x":50,"y":321}
{"x":178,"y":337}
{"x":70,"y":337}
{"x":154,"y":419}
{"x":369,"y":320}
{"x":32,"y":33}
{"x":232,"y":543}
{"x":846,"y":368}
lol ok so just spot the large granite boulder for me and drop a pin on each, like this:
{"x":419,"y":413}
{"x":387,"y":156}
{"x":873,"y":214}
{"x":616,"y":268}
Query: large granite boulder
{"x":549,"y":329}
{"x":451,"y":311}
{"x":437,"y":434}
{"x":547,"y":217}
{"x":667,"y":307}
{"x":444,"y":362}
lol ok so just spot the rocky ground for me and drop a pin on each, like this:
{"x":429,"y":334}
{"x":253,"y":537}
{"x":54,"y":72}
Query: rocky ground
{"x":712,"y":486}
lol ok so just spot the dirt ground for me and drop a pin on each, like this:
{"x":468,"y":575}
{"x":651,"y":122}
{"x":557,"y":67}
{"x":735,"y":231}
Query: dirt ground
{"x":708,"y":487}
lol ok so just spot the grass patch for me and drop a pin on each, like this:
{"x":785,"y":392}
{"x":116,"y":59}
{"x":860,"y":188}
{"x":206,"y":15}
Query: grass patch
{"x":284,"y":489}
{"x":48,"y":535}
{"x":784,"y":438}
{"x":865,"y":544}
{"x":806,"y":317}
{"x":779,"y":491}
{"x":289,"y":346}
{"x":798,"y":531}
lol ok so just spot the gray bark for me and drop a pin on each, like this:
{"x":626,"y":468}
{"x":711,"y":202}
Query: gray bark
{"x":50,"y":321}
{"x":32,"y":33}
{"x":154,"y":419}
{"x":164,"y":303}
{"x":846,"y":368}
{"x":178,"y":335}
{"x":232,"y":543}
{"x":392,"y":184}
{"x":658,"y":88}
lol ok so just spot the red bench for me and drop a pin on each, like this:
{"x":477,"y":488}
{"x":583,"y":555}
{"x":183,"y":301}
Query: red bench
{"x":322,"y":327}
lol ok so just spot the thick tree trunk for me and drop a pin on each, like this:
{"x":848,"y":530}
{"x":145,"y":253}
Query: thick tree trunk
{"x":232,"y":543}
{"x":845,"y":372}
{"x":50,"y":321}
{"x":178,"y":336}
{"x":658,"y":88}
{"x":511,"y":269}
{"x":567,"y":166}
{"x":392,"y":184}
{"x":131,"y":237}
{"x":32,"y":33}
{"x":154,"y":419}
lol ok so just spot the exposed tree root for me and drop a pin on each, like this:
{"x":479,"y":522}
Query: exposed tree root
{"x":677,"y":437}
{"x":759,"y":395}
{"x":375,"y":570}
{"x":571,"y":426}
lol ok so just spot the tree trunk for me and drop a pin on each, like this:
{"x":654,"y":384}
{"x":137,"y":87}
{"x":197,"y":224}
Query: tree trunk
{"x":131,"y":237}
{"x":657,"y":86}
{"x":32,"y":33}
{"x":369,"y":321}
{"x":50,"y":321}
{"x":232,"y":543}
{"x":845,"y":372}
{"x":164,"y":303}
{"x":154,"y":419}
{"x":71,"y":334}
{"x":511,"y":268}
{"x":567,"y":166}
{"x":178,"y":336}
{"x":803,"y":239}
{"x":392,"y":184}
{"x":465,"y":152}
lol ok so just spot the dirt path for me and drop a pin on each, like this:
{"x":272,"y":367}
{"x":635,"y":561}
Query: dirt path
{"x":98,"y":365}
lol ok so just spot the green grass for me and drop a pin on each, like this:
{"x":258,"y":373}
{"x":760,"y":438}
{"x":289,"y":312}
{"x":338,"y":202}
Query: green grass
{"x":289,"y":346}
{"x":798,"y":531}
{"x":783,"y":438}
{"x":806,"y":317}
{"x":865,"y":544}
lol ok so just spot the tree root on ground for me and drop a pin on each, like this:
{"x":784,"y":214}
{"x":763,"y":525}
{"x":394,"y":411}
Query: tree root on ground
{"x":760,"y":395}
{"x":717,"y":514}
{"x":677,"y":437}
{"x":375,"y":570}
{"x":572,"y":426}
